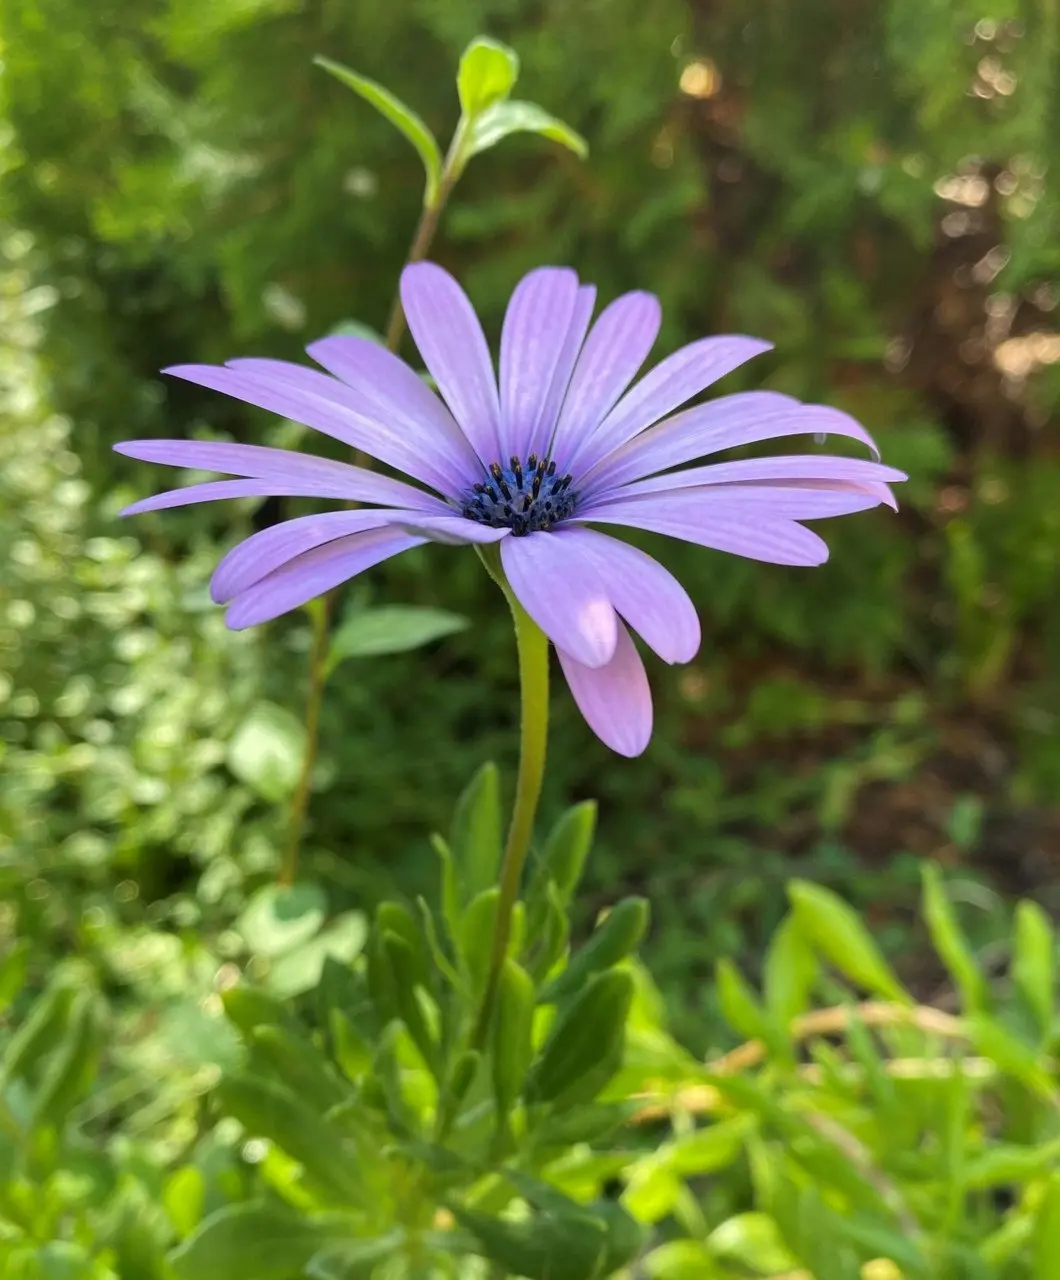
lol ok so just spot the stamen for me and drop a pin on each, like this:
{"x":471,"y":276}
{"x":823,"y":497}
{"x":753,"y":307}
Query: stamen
{"x":526,"y":499}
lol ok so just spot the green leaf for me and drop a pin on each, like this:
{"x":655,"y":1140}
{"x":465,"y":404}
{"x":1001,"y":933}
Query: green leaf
{"x":267,"y":750}
{"x":488,"y":70}
{"x":13,"y":973}
{"x":680,"y":1260}
{"x":739,"y":1004}
{"x":259,"y":1240}
{"x":1047,"y":1233}
{"x":279,"y":918}
{"x":354,"y":1259}
{"x":505,"y":118}
{"x":585,"y":1047}
{"x":1033,"y":963}
{"x":563,"y":859}
{"x":1012,"y":1055}
{"x":299,"y":970}
{"x":269,"y":1110}
{"x":949,"y":941}
{"x":839,"y":935}
{"x":183,"y":1198}
{"x":615,"y":937}
{"x":397,"y":628}
{"x":790,"y":971}
{"x":753,"y":1239}
{"x":72,"y":1068}
{"x":476,"y":837}
{"x":513,"y":1026}
{"x":297,"y":1063}
{"x":41,"y":1031}
{"x":400,"y":116}
{"x":405,"y":967}
{"x":476,"y":936}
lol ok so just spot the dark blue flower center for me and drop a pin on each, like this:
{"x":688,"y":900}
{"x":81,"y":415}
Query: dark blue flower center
{"x":524,"y":499}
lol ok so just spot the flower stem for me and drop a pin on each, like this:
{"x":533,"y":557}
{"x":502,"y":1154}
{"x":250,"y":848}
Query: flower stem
{"x":533,"y":740}
{"x":421,"y":243}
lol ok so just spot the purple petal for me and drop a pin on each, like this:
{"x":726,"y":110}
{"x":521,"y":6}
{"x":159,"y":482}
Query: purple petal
{"x":648,"y":596}
{"x":298,"y":475}
{"x":211,"y":491}
{"x":615,"y":349}
{"x":615,"y":699}
{"x":728,"y":423}
{"x":533,"y":338}
{"x":259,"y":555}
{"x":450,"y":340}
{"x":540,"y":442}
{"x":796,"y":470}
{"x":561,"y":590}
{"x":678,"y":378}
{"x":329,"y":406}
{"x":746,"y":502}
{"x":753,"y":532}
{"x":314,"y":573}
{"x":451,"y":530}
{"x":390,"y":388}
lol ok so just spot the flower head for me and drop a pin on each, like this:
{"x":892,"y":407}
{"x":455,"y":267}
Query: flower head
{"x":559,"y":442}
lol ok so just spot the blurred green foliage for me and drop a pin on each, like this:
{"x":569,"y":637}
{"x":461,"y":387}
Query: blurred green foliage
{"x":872,"y":188}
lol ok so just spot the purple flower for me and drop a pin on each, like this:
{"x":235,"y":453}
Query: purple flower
{"x":531,"y":460}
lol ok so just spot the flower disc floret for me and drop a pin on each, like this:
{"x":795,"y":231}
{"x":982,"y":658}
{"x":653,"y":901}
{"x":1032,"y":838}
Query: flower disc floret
{"x":530,"y":499}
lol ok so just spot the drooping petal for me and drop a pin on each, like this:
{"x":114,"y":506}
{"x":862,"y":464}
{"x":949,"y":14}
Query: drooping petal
{"x":533,"y":339}
{"x":754,"y":532}
{"x":393,"y":390}
{"x":562,"y":591}
{"x":676,"y":379}
{"x":262,"y":553}
{"x":211,"y":491}
{"x":450,"y":340}
{"x":314,"y":573}
{"x":451,"y":530}
{"x":328,"y":405}
{"x":732,"y":421}
{"x":298,"y":475}
{"x":617,"y":345}
{"x":540,"y":441}
{"x":615,"y":699}
{"x":648,"y":596}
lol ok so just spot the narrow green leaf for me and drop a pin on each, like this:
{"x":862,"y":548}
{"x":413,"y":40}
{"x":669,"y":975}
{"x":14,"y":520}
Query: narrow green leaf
{"x":505,"y":118}
{"x":13,"y":973}
{"x":513,"y":1047}
{"x":754,"y":1240}
{"x":72,"y":1068}
{"x":41,"y":1031}
{"x":398,"y":628}
{"x":298,"y":1064}
{"x":1047,"y":1233}
{"x":839,"y":935}
{"x":265,"y":1241}
{"x":476,"y":837}
{"x":1011,"y":1054}
{"x":949,"y":941}
{"x":488,"y":70}
{"x":563,"y":859}
{"x":1033,"y":963}
{"x":269,"y":1110}
{"x":617,"y":936}
{"x":354,"y":1259}
{"x":400,"y":116}
{"x":585,"y":1047}
{"x":266,"y":752}
{"x":789,"y":974}
{"x":476,"y":936}
{"x":738,"y":1002}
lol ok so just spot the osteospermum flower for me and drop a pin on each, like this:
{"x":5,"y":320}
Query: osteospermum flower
{"x":531,"y":460}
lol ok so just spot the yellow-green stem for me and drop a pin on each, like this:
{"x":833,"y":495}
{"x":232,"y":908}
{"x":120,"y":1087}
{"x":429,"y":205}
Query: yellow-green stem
{"x":533,"y":741}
